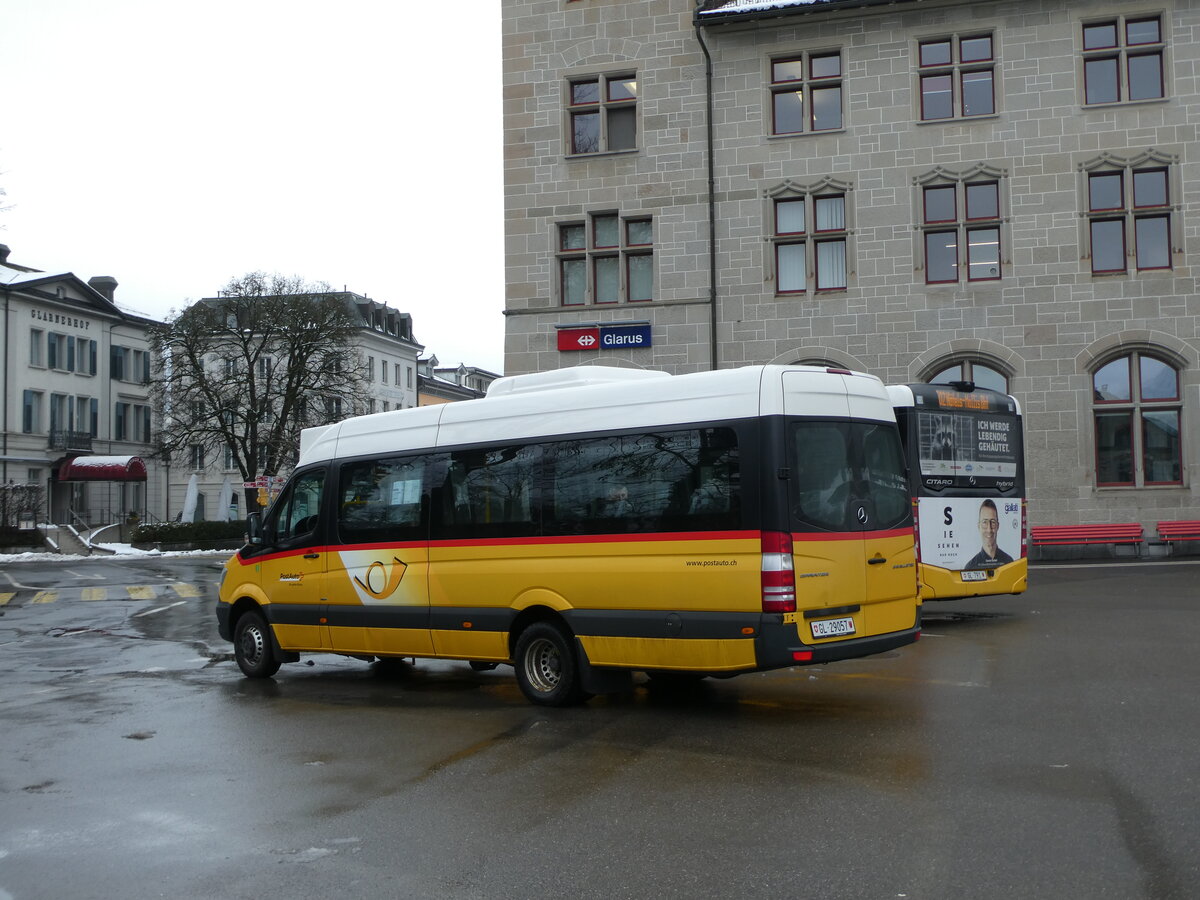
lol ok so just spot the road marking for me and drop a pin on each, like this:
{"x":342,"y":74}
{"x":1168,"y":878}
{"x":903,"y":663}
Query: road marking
{"x":93,"y":593}
{"x":45,"y":597}
{"x":159,"y":609}
{"x":75,"y":574}
{"x":4,"y":598}
{"x":186,"y":590}
{"x":140,"y":592}
{"x":16,"y":583}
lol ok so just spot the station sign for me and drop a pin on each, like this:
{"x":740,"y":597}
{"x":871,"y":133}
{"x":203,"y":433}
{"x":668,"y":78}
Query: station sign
{"x":605,"y":337}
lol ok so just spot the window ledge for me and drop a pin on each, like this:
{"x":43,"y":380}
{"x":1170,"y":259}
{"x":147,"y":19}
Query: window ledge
{"x":813,"y":294}
{"x":805,"y":134}
{"x":1125,"y":488}
{"x":958,"y":120}
{"x":574,"y":157}
{"x":1117,"y":104}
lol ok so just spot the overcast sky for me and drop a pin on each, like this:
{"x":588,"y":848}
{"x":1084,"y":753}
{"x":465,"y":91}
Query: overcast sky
{"x":173,"y":146}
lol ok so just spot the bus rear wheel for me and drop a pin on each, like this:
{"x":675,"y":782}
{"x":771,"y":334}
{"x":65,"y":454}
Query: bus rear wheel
{"x":546,"y":666}
{"x":252,"y":647}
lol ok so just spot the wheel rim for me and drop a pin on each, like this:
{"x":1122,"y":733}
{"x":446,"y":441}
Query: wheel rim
{"x":543,"y":665}
{"x":253,"y":645}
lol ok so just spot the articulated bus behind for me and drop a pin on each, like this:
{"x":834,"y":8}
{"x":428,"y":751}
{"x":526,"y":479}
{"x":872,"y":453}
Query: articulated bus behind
{"x":966,"y":467}
{"x":584,"y":524}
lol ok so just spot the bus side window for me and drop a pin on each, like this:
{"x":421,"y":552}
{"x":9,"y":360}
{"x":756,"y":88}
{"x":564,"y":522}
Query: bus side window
{"x":491,"y":493}
{"x":299,"y":508}
{"x":382,"y":500}
{"x":662,"y":481}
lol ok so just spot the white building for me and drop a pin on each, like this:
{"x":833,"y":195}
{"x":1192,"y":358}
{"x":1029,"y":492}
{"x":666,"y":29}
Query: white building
{"x":75,"y":417}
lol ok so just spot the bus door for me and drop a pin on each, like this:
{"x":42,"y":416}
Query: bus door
{"x":378,"y":582}
{"x":292,"y":563}
{"x":852,"y":527}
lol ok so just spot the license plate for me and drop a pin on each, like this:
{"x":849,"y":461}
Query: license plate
{"x":974,"y":576}
{"x":827,"y":628}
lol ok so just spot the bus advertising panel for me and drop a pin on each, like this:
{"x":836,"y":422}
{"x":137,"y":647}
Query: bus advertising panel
{"x":961,"y":533}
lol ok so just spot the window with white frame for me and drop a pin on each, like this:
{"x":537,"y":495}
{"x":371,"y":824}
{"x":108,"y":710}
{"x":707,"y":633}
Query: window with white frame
{"x":956,"y":77}
{"x":1137,"y":409}
{"x":1123,"y":59}
{"x":196,"y":456}
{"x":1130,"y":202}
{"x":606,"y":258}
{"x":806,"y":92}
{"x":960,"y":225}
{"x":602,"y":113}
{"x":808,"y":237}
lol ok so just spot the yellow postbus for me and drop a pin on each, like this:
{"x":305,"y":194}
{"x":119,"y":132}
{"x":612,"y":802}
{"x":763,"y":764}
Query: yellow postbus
{"x":587,"y":523}
{"x":964,"y":446}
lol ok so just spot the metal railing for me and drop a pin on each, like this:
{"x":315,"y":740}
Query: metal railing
{"x":70,"y":440}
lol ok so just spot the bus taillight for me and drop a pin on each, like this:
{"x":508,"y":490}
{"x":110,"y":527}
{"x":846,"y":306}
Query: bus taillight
{"x":1024,"y":530}
{"x":917,"y":528}
{"x":778,"y":573}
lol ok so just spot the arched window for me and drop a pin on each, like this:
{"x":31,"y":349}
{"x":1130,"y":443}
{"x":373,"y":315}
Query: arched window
{"x":1137,"y":411}
{"x":983,"y":375}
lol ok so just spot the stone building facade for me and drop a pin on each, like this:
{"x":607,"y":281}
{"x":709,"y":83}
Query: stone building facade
{"x":920,"y":189}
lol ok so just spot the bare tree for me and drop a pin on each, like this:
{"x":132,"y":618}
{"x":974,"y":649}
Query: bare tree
{"x":245,"y":371}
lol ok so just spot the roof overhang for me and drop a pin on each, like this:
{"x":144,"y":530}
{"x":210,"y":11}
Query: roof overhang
{"x":733,"y":12}
{"x":103,"y":468}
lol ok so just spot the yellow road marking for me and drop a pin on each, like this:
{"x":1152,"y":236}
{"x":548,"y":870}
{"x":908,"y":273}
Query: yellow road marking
{"x":140,"y":592}
{"x":4,"y":598}
{"x":186,"y":590}
{"x":93,"y":593}
{"x":45,"y":597}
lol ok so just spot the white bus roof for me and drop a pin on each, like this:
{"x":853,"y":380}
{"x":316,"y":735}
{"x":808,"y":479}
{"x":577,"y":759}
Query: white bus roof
{"x":587,"y":399}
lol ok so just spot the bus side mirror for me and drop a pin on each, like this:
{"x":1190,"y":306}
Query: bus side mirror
{"x":254,"y":529}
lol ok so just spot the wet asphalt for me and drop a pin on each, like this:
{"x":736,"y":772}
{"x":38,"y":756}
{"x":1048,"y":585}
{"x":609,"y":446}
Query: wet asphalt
{"x":1032,"y":746}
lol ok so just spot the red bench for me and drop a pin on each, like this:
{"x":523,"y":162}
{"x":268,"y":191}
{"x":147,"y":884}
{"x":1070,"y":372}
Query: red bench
{"x":1181,"y":530}
{"x":1107,"y":533}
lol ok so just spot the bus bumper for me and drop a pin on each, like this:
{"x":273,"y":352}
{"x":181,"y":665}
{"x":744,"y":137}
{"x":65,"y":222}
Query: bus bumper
{"x":223,"y":610}
{"x":778,"y":644}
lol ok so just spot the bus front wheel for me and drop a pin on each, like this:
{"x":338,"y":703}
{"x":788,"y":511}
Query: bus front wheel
{"x":546,"y":667}
{"x":252,"y":647}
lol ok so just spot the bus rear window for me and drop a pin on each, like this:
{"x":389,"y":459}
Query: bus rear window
{"x":848,"y":476}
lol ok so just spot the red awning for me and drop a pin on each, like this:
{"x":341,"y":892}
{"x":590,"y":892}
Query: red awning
{"x":103,"y":468}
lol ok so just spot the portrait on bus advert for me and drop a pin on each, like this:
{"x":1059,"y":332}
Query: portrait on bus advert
{"x":970,"y":532}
